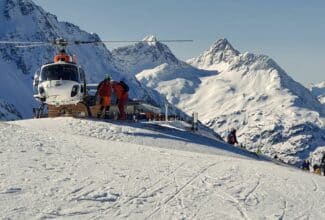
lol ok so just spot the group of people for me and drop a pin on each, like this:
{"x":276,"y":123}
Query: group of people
{"x":104,"y":91}
{"x":316,"y":168}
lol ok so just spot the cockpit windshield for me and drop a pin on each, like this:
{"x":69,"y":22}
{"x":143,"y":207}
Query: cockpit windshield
{"x":60,"y":72}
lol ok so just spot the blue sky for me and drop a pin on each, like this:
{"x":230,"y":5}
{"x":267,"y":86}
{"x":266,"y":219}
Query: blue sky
{"x":292,"y":32}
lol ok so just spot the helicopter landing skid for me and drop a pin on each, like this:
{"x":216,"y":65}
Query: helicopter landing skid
{"x":80,"y":110}
{"x":40,"y":111}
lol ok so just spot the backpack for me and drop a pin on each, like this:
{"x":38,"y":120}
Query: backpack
{"x":230,"y":138}
{"x":125,"y":86}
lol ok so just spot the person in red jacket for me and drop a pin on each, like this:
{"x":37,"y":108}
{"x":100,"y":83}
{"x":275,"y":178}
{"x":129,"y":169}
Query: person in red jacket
{"x":121,"y":91}
{"x":104,"y":91}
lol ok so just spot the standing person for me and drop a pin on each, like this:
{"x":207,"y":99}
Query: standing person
{"x":231,"y":138}
{"x":305,"y":165}
{"x":121,"y":90}
{"x":322,"y":164}
{"x":104,"y":91}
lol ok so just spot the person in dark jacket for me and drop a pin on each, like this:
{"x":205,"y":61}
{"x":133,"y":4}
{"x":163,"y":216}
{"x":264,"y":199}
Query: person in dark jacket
{"x":121,"y":91}
{"x":104,"y":91}
{"x":232,"y":138}
{"x":305,"y":165}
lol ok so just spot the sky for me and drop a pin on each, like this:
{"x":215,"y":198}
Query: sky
{"x":292,"y":32}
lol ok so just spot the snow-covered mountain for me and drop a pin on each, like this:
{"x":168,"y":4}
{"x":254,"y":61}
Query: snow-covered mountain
{"x":22,"y":20}
{"x":154,"y":56}
{"x":143,"y":55}
{"x":318,"y":90}
{"x":250,"y":93}
{"x":66,"y":168}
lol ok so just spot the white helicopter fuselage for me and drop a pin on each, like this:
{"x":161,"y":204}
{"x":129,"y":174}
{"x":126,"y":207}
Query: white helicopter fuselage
{"x":60,"y":83}
{"x":58,"y":92}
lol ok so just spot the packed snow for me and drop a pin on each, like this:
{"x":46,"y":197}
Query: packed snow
{"x":87,"y":169}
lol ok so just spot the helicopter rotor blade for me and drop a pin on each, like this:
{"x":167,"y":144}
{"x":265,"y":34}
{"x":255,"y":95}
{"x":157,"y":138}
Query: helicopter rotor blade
{"x":33,"y":45}
{"x":22,"y":42}
{"x":128,"y":41}
{"x":63,"y":43}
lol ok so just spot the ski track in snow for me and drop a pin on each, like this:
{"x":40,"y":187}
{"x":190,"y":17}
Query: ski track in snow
{"x":81,"y":169}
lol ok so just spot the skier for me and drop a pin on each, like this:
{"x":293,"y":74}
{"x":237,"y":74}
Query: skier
{"x":104,"y":91}
{"x":121,"y":91}
{"x":231,"y":138}
{"x":305,"y":165}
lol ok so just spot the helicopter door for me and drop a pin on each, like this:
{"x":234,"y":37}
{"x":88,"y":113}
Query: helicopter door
{"x":82,"y":81}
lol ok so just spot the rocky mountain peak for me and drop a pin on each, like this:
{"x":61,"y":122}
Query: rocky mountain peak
{"x":144,"y":55}
{"x":150,"y":38}
{"x":222,"y":45}
{"x":222,"y":50}
{"x":218,"y":57}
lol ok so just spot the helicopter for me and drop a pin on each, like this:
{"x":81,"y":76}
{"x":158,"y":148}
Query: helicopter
{"x":61,"y":82}
{"x":61,"y":85}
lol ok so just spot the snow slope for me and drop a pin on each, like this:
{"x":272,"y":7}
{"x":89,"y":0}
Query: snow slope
{"x":22,"y":20}
{"x":8,"y":112}
{"x":250,"y":93}
{"x":79,"y":169}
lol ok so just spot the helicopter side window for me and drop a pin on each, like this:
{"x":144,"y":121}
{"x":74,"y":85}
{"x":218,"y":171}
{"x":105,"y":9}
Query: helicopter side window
{"x":60,"y":72}
{"x":82,"y":75}
{"x":36,"y":78}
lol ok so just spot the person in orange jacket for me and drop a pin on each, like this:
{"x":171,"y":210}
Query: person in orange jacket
{"x":104,"y":91}
{"x":121,"y":91}
{"x":62,"y":56}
